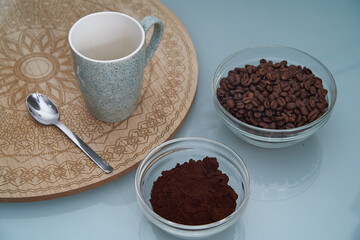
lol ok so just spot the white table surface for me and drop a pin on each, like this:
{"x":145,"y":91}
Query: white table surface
{"x":307,"y":191}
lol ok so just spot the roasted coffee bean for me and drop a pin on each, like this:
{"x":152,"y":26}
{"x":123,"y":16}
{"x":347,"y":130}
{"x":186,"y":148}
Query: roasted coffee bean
{"x":312,"y":115}
{"x":312,"y":102}
{"x":262,"y":71}
{"x":237,"y":96}
{"x":283,"y":94}
{"x":285,"y":75}
{"x":261,"y":108}
{"x":267,"y":120}
{"x":246,"y":100}
{"x":254,"y":102}
{"x":246,"y":81}
{"x":263,"y":125}
{"x":304,"y":111}
{"x":274,"y":104}
{"x":220,"y":92}
{"x":249,"y":106}
{"x":273,"y":125}
{"x":260,"y":98}
{"x":281,"y":101}
{"x":285,"y":116}
{"x":278,"y":118}
{"x":257,"y":114}
{"x":240,"y":105}
{"x":290,"y":105}
{"x":267,"y":104}
{"x":299,"y":77}
{"x":273,"y":95}
{"x":253,"y":122}
{"x":292,"y":119}
{"x":269,"y":112}
{"x":230,"y":103}
{"x":252,"y":88}
{"x":312,"y":90}
{"x":280,"y":124}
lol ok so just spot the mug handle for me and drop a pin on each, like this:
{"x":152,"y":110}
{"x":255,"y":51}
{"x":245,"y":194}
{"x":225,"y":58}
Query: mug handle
{"x":158,"y":32}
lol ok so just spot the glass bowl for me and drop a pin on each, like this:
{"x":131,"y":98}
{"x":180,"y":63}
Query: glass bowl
{"x":273,"y":138}
{"x":180,"y":150}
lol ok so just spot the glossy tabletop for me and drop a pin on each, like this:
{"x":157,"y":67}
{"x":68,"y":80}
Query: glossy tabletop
{"x":307,"y":191}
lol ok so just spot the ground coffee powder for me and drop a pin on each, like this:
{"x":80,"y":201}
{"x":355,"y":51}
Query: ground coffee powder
{"x":193,"y":193}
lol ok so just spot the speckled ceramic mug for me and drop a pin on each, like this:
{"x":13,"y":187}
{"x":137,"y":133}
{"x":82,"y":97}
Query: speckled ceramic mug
{"x":109,"y":56}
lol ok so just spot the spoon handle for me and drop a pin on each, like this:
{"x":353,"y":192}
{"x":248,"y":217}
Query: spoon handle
{"x":85,"y":148}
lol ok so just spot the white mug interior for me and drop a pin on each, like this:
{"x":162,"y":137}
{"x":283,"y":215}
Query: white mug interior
{"x":106,"y":36}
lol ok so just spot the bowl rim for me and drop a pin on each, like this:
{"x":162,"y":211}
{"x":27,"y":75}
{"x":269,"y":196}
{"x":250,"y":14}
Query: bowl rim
{"x":290,"y":130}
{"x":232,"y":216}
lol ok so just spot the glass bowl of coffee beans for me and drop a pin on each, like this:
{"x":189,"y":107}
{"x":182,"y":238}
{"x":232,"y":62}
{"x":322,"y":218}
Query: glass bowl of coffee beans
{"x":192,"y":187}
{"x":273,"y":96}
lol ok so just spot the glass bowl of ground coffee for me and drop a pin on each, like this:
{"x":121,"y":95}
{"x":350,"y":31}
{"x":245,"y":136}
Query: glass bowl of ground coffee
{"x":192,"y":187}
{"x":273,"y":96}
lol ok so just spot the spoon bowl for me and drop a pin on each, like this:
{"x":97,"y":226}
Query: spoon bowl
{"x":43,"y":110}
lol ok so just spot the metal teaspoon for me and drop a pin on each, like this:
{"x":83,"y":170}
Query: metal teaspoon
{"x":43,"y":110}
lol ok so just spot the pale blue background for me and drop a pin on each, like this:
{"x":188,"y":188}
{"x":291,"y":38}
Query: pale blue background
{"x":308,"y":191}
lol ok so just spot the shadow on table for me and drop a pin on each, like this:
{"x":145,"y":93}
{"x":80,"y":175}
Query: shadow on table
{"x":150,"y":231}
{"x":276,"y":174}
{"x":356,"y":209}
{"x":116,"y":193}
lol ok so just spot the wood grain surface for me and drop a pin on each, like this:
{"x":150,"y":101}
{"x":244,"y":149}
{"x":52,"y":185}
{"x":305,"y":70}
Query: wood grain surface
{"x":39,"y":162}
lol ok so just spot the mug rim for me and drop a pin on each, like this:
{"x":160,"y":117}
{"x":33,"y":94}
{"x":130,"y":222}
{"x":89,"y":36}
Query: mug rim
{"x":105,"y":13}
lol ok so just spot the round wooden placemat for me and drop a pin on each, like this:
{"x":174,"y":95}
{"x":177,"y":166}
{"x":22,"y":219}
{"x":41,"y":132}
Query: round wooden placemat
{"x":39,"y":162}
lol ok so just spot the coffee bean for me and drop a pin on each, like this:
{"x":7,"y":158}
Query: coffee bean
{"x":292,"y":119}
{"x":240,"y":105}
{"x":312,"y":102}
{"x":254,"y":102}
{"x":307,"y":71}
{"x":283,"y":94}
{"x":257,"y":114}
{"x":285,"y":75}
{"x":273,"y":95}
{"x":277,"y":89}
{"x":267,"y":120}
{"x":253,"y":122}
{"x":304,"y":111}
{"x":260,"y":98}
{"x":278,"y":118}
{"x":280,"y":124}
{"x":299,"y":77}
{"x":312,"y":115}
{"x":263,"y":125}
{"x":274,"y":104}
{"x":246,"y":81}
{"x":312,"y":90}
{"x":220,"y":92}
{"x":249,"y":106}
{"x":252,"y":88}
{"x":269,"y":112}
{"x":237,"y":96}
{"x":281,"y":101}
{"x":230,"y":103}
{"x":246,"y":100}
{"x":291,"y":105}
{"x":303,"y":94}
{"x":285,"y":117}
